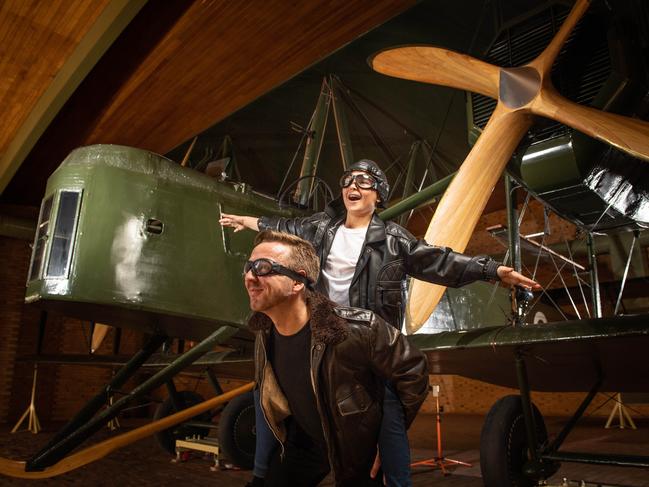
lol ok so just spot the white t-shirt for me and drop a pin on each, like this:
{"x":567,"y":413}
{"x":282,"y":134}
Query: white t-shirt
{"x":341,"y":262}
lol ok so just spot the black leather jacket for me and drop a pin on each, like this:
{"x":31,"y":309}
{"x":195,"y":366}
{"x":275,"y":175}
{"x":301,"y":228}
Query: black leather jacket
{"x":353,"y":353}
{"x":389,"y":253}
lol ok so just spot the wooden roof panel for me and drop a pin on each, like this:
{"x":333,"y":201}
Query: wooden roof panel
{"x":179,"y":67}
{"x":222,"y":55}
{"x":36,"y":38}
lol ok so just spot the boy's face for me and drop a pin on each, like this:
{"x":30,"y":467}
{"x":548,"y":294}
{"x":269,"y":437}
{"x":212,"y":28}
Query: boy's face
{"x":359,"y":201}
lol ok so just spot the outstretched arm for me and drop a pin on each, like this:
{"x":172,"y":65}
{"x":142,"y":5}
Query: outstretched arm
{"x":440,"y":265}
{"x":239,"y":222}
{"x":509,"y":276}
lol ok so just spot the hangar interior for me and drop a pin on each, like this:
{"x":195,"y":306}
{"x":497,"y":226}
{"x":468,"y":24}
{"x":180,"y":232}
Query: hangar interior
{"x":247,"y":89}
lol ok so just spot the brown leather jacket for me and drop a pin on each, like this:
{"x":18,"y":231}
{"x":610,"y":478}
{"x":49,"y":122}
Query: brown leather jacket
{"x":353,"y":353}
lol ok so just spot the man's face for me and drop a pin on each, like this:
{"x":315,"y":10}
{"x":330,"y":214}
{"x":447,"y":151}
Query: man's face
{"x":358,"y":200}
{"x":266,"y":292}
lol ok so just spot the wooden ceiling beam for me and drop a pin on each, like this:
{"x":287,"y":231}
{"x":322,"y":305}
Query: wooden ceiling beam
{"x":222,"y":55}
{"x":182,"y":66}
{"x":109,"y":24}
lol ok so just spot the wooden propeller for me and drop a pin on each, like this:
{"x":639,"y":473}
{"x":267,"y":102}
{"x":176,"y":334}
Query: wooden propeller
{"x":522,"y":92}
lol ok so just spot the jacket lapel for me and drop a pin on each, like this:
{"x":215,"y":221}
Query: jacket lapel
{"x":374,"y":237}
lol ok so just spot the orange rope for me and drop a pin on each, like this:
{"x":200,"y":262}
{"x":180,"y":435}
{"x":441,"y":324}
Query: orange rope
{"x":15,"y":468}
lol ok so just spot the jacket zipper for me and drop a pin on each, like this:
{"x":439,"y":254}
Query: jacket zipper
{"x":317,"y":402}
{"x":263,"y":412}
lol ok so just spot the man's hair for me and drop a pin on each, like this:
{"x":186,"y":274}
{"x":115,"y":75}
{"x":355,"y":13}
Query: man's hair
{"x":302,"y":255}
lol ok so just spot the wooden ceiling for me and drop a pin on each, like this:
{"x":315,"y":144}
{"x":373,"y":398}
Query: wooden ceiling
{"x":177,"y":68}
{"x":36,"y":39}
{"x":33,"y":49}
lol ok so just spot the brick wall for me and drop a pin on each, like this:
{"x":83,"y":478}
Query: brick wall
{"x":19,"y":328}
{"x":14,"y":261}
{"x":75,"y":385}
{"x":467,"y":396}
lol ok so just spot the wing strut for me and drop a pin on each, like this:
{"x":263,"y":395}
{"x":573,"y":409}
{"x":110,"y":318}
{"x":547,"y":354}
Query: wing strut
{"x":522,"y":92}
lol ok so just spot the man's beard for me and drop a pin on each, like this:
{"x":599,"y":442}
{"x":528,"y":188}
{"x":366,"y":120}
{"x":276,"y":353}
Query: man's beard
{"x":267,"y":301}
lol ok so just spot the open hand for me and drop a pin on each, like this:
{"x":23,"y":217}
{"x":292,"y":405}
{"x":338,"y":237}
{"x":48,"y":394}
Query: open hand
{"x":513,"y":278}
{"x":233,"y":221}
{"x":376,"y":467}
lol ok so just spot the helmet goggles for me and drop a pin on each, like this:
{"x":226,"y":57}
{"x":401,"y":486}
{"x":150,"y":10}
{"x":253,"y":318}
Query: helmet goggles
{"x":266,"y":267}
{"x":361,"y":180}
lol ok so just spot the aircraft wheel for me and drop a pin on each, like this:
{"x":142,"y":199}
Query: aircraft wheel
{"x":167,"y":438}
{"x":237,"y":430}
{"x":503,"y":444}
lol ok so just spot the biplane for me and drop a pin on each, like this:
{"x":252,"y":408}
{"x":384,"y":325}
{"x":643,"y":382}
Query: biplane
{"x":130,"y":238}
{"x":598,"y":353}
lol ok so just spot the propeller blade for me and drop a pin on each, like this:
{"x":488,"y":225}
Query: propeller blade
{"x":460,"y":208}
{"x":627,"y":134}
{"x":543,"y":63}
{"x":439,"y":67}
{"x":98,"y":335}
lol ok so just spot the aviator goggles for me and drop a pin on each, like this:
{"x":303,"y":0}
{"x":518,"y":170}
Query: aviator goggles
{"x":362,"y":180}
{"x":266,"y":267}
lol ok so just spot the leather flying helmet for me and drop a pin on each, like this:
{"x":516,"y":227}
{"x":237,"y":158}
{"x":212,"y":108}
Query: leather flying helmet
{"x":371,"y":167}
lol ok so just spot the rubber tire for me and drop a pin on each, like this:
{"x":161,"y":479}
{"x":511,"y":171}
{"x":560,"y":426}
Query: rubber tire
{"x":237,"y":431}
{"x":167,"y":438}
{"x":503,"y":443}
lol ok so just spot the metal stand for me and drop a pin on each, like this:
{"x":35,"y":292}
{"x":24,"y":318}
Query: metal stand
{"x":622,"y":413}
{"x":33,"y":424}
{"x":210,"y":446}
{"x":440,"y":461}
{"x":113,"y":424}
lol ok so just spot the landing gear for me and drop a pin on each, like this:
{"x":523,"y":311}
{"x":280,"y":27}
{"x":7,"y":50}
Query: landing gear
{"x":505,"y":459}
{"x":237,"y":430}
{"x":167,"y":438}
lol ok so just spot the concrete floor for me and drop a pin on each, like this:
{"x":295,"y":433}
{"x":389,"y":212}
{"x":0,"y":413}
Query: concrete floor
{"x":143,"y":463}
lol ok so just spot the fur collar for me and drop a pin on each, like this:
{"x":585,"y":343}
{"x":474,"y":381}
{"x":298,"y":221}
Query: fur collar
{"x":326,"y":326}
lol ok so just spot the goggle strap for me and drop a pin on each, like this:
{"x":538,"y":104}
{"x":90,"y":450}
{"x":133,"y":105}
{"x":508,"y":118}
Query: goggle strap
{"x":278,"y":269}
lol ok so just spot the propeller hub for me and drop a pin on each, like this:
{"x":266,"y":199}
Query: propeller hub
{"x":518,"y":86}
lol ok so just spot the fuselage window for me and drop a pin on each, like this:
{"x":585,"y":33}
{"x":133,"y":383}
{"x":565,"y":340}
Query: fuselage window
{"x":66,"y":219}
{"x":41,"y":239}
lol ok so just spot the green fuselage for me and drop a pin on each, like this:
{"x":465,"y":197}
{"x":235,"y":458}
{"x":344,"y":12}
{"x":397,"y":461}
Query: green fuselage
{"x":144,"y":248}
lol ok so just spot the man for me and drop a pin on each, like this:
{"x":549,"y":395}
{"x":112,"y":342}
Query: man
{"x":364,"y":261}
{"x":321,"y":370}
